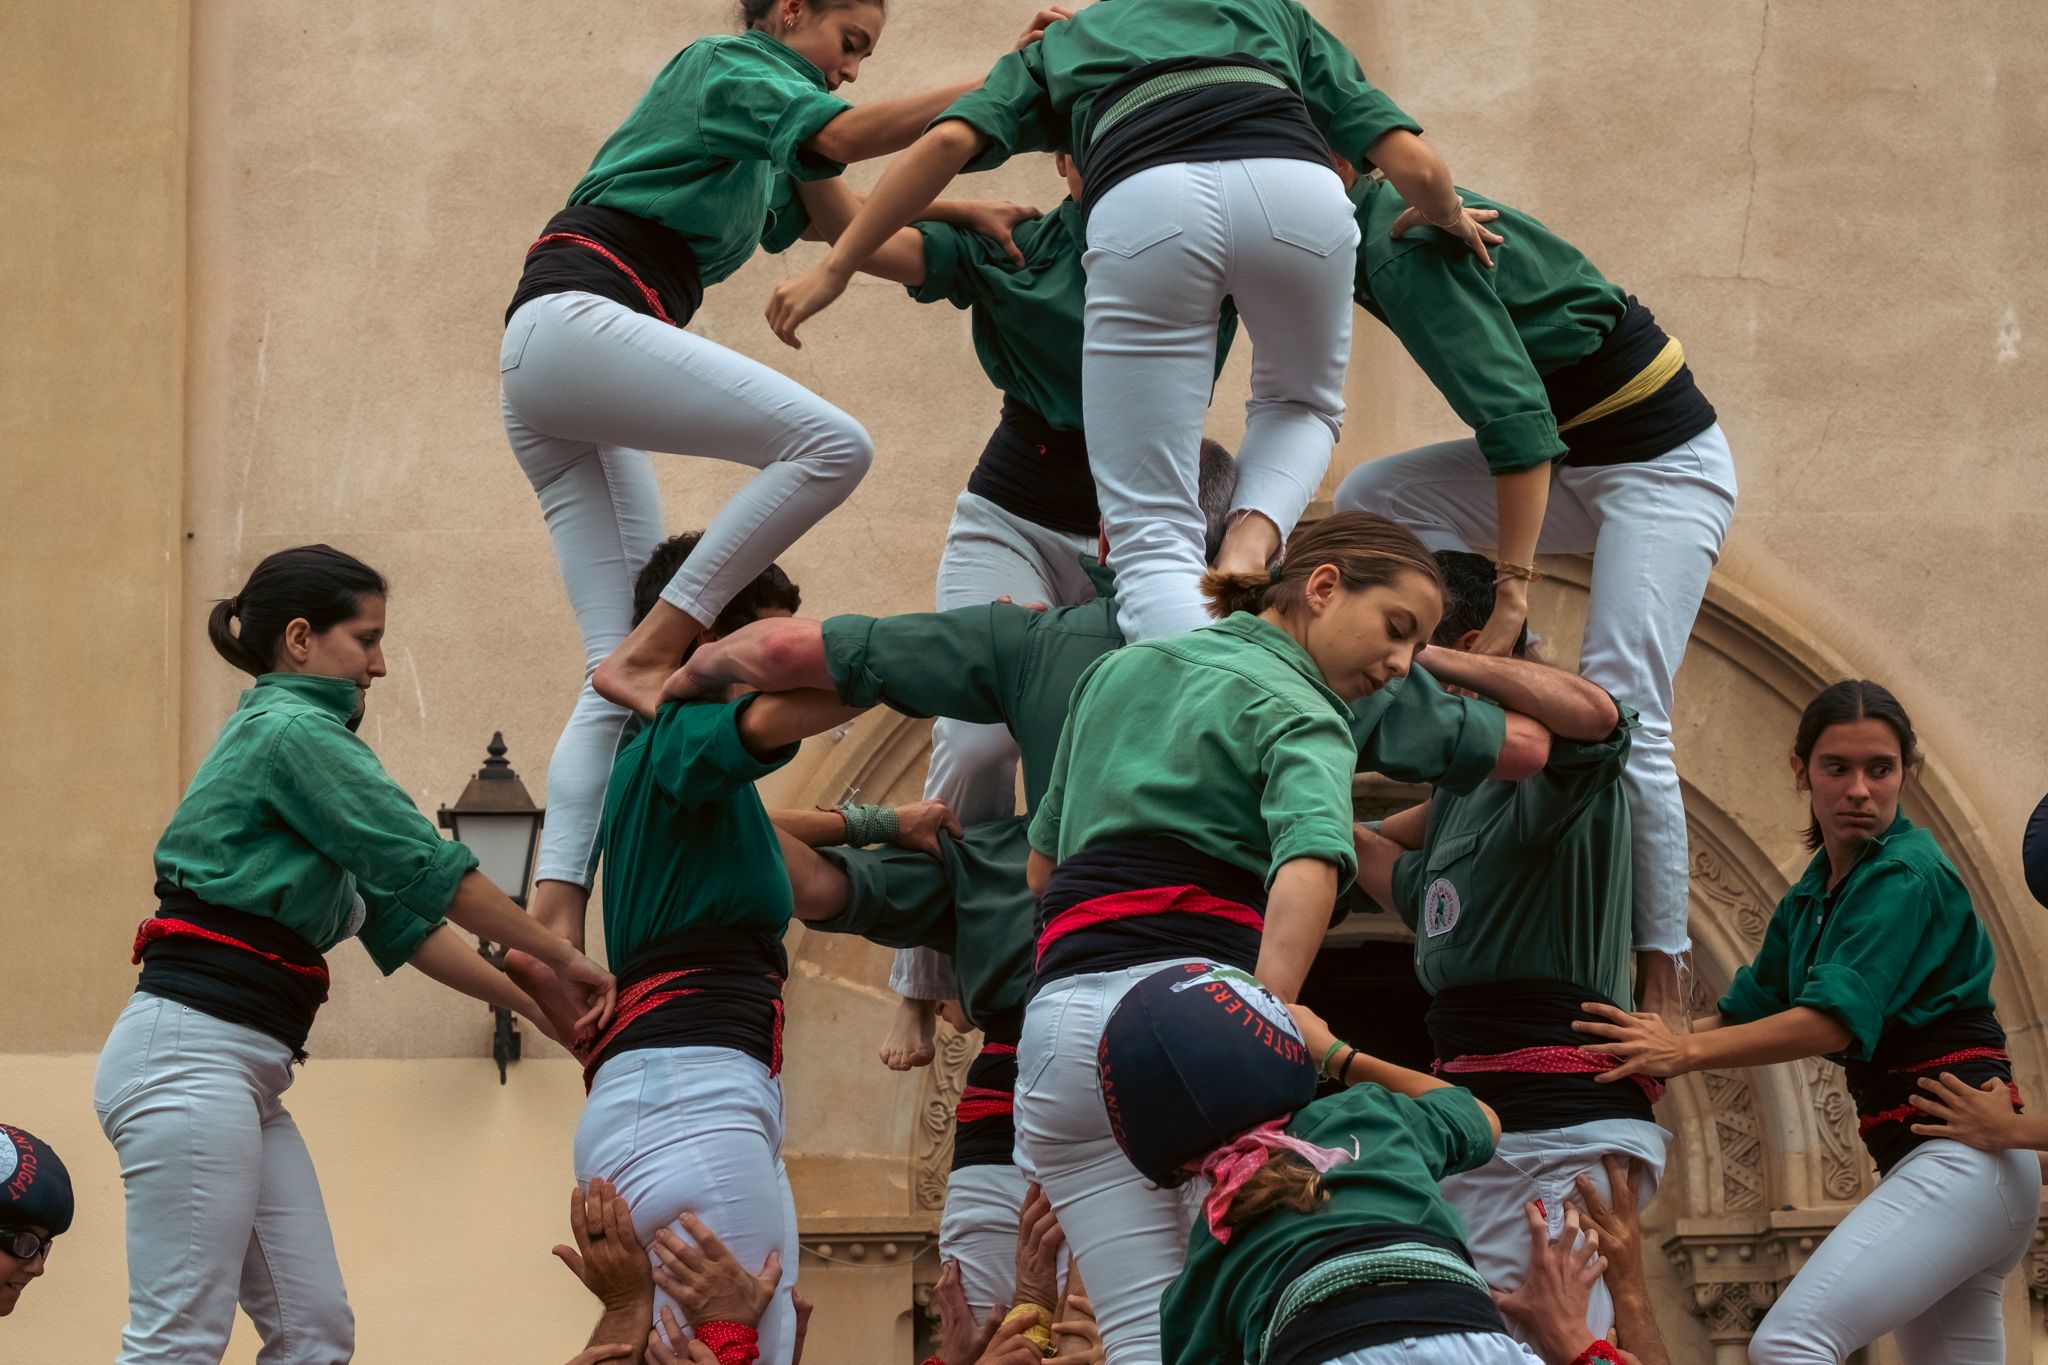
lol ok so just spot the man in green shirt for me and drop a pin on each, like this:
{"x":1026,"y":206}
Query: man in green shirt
{"x":1589,"y":436}
{"x":1519,"y":897}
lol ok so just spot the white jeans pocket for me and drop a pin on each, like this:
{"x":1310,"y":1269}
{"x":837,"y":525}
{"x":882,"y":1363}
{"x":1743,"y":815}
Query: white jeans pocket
{"x":513,"y":348}
{"x":124,"y":1060}
{"x":1138,"y":213}
{"x":1305,"y":205}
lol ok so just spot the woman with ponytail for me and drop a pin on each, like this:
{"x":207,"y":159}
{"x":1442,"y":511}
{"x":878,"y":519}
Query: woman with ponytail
{"x":597,"y":367}
{"x":1323,"y":1239}
{"x":1874,"y":959}
{"x":1199,"y":809}
{"x":290,"y":839}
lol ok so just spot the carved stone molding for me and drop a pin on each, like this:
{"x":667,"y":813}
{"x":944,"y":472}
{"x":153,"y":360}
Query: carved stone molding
{"x":1843,"y":1160}
{"x":2037,"y":1263}
{"x":1739,"y":1132}
{"x":932,"y":1152}
{"x":1734,"y":1268}
{"x":1714,"y":882}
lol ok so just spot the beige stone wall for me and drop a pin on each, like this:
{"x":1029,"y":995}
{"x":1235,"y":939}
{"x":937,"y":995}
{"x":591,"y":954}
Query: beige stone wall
{"x":253,"y":259}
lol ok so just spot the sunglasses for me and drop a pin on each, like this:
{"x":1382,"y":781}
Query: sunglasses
{"x":24,"y":1245}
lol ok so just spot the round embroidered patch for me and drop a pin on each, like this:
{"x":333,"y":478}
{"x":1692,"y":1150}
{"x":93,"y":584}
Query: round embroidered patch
{"x":1439,"y":908}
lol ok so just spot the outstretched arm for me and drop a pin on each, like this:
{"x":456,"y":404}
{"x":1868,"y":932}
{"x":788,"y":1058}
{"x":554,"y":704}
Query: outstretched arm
{"x":447,"y":958}
{"x":780,"y":654}
{"x":1353,"y":1067}
{"x":1298,"y":911}
{"x":902,"y":195}
{"x":1647,"y":1046}
{"x":1562,"y":702}
{"x":879,"y":127}
{"x":1377,"y":855}
{"x":776,"y":720}
{"x":485,"y":911}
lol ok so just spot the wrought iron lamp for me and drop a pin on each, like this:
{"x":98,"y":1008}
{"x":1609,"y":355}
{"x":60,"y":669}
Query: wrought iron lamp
{"x":496,"y":817}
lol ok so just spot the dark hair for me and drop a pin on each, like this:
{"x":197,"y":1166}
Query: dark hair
{"x":771,"y":589}
{"x":1367,"y":550}
{"x":755,"y":13}
{"x":317,"y":582}
{"x":1215,"y":486}
{"x":1469,"y":581}
{"x":1852,"y":699}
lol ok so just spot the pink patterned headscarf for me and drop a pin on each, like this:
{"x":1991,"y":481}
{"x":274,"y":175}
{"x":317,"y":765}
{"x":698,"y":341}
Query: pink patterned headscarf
{"x":1230,"y":1165}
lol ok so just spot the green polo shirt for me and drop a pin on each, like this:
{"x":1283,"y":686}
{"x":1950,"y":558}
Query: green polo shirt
{"x":1486,"y":337}
{"x":292,"y":817}
{"x":1895,"y":945}
{"x":1225,"y":738}
{"x":1026,"y":319}
{"x":711,"y":148}
{"x":1219,"y":1307}
{"x":1003,"y":664}
{"x":1035,"y":99}
{"x":1528,"y":880}
{"x":687,"y":843}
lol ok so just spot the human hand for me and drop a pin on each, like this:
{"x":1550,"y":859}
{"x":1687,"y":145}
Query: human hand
{"x":598,"y":989}
{"x":1039,"y":1240}
{"x":798,"y":299}
{"x":676,"y":1347}
{"x":1615,"y":1218}
{"x":707,"y":1281}
{"x":1009,"y":1345}
{"x":1550,"y":1305}
{"x":607,"y":1257}
{"x":962,"y":1340}
{"x":803,"y":1307}
{"x":1028,"y":606}
{"x":1040,"y":22}
{"x":997,"y":220}
{"x":1466,"y":227}
{"x":1976,"y":1116}
{"x":1644,"y":1042}
{"x":918,"y":824}
{"x":1314,"y":1032}
{"x":1077,"y":1336}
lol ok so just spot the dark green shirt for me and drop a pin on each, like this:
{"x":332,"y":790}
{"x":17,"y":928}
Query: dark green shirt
{"x":710,"y":149}
{"x":1003,"y":664}
{"x":1035,"y":99}
{"x":687,"y":843}
{"x":1217,"y":1311}
{"x":1528,"y":880}
{"x":1486,"y":337}
{"x":1026,"y":319}
{"x":1897,"y":945}
{"x":292,"y":817}
{"x":1225,"y":738}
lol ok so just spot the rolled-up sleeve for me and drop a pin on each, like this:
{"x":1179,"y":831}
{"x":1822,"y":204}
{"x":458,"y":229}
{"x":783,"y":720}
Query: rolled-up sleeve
{"x":756,"y":109}
{"x":1305,"y":799}
{"x":1346,"y":107}
{"x":1418,"y":732}
{"x":1012,"y":108}
{"x":391,"y":935}
{"x":328,"y":786}
{"x":697,"y":755}
{"x":935,"y":663}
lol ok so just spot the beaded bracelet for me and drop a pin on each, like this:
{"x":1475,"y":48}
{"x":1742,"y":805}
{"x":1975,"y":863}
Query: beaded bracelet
{"x":1528,"y":573}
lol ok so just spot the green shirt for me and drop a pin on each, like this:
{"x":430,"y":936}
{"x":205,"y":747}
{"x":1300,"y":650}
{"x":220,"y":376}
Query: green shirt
{"x":1528,"y":880}
{"x":1486,"y":337}
{"x":1037,"y":98}
{"x":1896,"y":945}
{"x":712,"y":146}
{"x":292,"y":817}
{"x":1003,"y":664}
{"x":687,"y":843}
{"x":1219,"y":1307}
{"x":1225,"y":738}
{"x":1026,"y":319}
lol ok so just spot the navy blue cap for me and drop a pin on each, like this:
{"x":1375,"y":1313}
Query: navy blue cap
{"x":35,"y":1189}
{"x":1193,"y":1056}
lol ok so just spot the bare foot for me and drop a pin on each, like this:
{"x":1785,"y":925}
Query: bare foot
{"x":1249,"y":545}
{"x":561,"y":1003}
{"x":909,"y":1043}
{"x":635,"y":672}
{"x":1660,"y":990}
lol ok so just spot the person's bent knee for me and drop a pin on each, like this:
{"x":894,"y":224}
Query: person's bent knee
{"x":1781,"y":1344}
{"x":1363,"y":490}
{"x":841,"y":451}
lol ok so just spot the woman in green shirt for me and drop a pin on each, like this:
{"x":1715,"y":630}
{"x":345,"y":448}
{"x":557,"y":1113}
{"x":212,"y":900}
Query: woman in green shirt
{"x":597,"y":367}
{"x":1876,"y":960}
{"x":290,"y":839}
{"x":1203,"y":129}
{"x":1199,"y":809}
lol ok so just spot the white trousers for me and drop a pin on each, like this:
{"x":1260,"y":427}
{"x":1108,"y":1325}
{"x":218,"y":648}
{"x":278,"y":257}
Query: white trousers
{"x":223,"y":1204}
{"x":1924,"y":1256}
{"x":1546,"y":1165}
{"x":1453,"y":1348}
{"x":990,"y":553}
{"x":698,"y":1130}
{"x":979,"y":1230}
{"x":1128,"y":1236}
{"x":1654,"y":530}
{"x":1165,"y":248}
{"x":589,"y":387}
